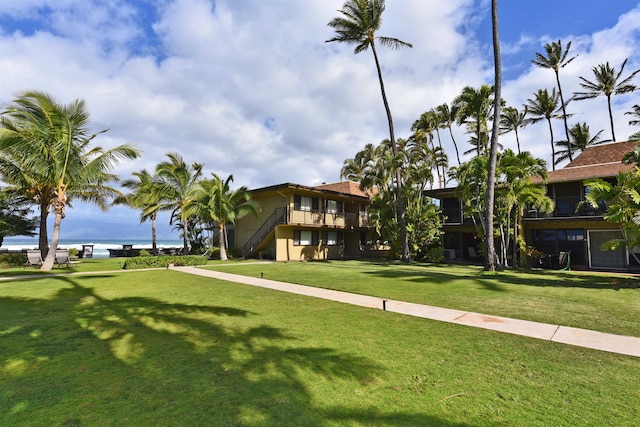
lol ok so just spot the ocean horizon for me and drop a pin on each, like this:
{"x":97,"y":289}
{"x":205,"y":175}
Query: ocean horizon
{"x":100,"y":246}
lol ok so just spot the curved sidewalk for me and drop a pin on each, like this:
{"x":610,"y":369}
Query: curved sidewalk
{"x":620,"y":344}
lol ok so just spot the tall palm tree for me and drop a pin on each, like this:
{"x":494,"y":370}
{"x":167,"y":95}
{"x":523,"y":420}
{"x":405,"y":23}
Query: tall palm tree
{"x":557,"y":58}
{"x":580,"y":139}
{"x":489,"y":259}
{"x":448,"y":118}
{"x":607,"y":82}
{"x":175,"y":181}
{"x":511,"y":120}
{"x":213,"y":201}
{"x":47,"y":146}
{"x":474,"y":109}
{"x":544,"y":106}
{"x":143,"y":196}
{"x":357,"y":25}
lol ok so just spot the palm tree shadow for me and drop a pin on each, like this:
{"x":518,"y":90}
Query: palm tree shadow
{"x":80,"y":358}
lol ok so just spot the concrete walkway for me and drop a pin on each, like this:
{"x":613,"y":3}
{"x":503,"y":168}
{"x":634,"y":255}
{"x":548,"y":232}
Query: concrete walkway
{"x":620,"y":344}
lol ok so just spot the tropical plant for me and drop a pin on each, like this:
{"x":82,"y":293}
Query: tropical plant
{"x":557,"y":58}
{"x":447,"y":119}
{"x":14,"y":216}
{"x":515,"y":191}
{"x":46,"y":156}
{"x":474,"y":110}
{"x":511,"y":120}
{"x":357,"y":25}
{"x":632,"y":157}
{"x":175,"y":181}
{"x":143,"y":196}
{"x":580,"y":139}
{"x":213,"y":201}
{"x":607,"y":82}
{"x":545,"y":107}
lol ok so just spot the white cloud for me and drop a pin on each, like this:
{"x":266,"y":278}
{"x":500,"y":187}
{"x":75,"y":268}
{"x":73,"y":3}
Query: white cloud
{"x":250,"y":87}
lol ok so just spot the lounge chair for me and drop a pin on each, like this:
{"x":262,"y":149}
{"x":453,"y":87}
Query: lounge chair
{"x":63,"y":258}
{"x":34,"y":259}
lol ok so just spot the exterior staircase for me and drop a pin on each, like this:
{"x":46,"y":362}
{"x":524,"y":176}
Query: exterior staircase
{"x":255,"y":243}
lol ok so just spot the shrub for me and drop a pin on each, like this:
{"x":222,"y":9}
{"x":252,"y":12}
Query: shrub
{"x":73,"y":251}
{"x":12,"y":260}
{"x":144,"y":252}
{"x":138,"y":262}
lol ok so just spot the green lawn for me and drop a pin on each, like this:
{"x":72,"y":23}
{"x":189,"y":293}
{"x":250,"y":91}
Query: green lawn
{"x":165,"y":348}
{"x":603,"y":302}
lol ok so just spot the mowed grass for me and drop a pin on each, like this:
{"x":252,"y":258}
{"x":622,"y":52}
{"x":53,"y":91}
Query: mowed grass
{"x":166,"y":348}
{"x":603,"y":302}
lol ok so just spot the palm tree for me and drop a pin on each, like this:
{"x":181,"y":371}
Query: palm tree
{"x":607,"y":82}
{"x":213,"y":201}
{"x":143,"y":196}
{"x":517,"y":191}
{"x":557,"y":58}
{"x":636,"y":113}
{"x":357,"y":26}
{"x":580,"y":139}
{"x":175,"y":181}
{"x":474,"y":108}
{"x":489,"y":259}
{"x":447,"y":118}
{"x":511,"y":120}
{"x":545,"y":107}
{"x":47,"y":146}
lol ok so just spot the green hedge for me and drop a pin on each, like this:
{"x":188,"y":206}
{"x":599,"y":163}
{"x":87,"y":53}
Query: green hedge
{"x":162,"y":261}
{"x":12,"y":260}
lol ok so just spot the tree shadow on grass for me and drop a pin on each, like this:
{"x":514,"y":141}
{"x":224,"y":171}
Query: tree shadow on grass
{"x":495,"y":281}
{"x":79,"y":358}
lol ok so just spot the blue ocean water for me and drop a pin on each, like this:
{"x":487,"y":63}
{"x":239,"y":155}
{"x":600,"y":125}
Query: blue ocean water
{"x":100,"y":247}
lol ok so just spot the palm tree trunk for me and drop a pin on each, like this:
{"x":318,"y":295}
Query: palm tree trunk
{"x":43,"y":239}
{"x":517,"y":139}
{"x":404,"y":241}
{"x":154,"y":245}
{"x":454,"y":145}
{"x":489,"y":259}
{"x":613,"y":134}
{"x":223,"y":246}
{"x":185,"y":240}
{"x":564,"y":118}
{"x":47,"y":265}
{"x":553,"y":149}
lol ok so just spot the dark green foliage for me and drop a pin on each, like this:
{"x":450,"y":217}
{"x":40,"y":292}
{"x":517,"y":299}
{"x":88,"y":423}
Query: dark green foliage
{"x":162,"y":261}
{"x":14,"y":221}
{"x":12,"y":260}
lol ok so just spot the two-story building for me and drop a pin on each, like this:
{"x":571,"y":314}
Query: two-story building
{"x":572,"y":226}
{"x":298,"y":222}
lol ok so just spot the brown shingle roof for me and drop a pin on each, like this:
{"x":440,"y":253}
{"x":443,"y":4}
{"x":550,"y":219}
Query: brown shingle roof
{"x":598,"y":161}
{"x":346,"y":187}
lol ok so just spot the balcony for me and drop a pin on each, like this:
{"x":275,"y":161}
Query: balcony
{"x":567,"y":207}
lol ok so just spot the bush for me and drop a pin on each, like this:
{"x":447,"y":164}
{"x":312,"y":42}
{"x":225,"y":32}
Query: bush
{"x":435,"y":254}
{"x":162,"y":261}
{"x":144,"y":252}
{"x":12,"y":260}
{"x":73,"y":251}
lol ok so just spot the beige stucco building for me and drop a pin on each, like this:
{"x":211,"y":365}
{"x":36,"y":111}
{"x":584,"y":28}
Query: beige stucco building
{"x":298,"y":222}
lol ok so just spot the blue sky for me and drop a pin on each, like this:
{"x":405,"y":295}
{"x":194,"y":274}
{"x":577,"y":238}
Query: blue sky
{"x":249,"y":87}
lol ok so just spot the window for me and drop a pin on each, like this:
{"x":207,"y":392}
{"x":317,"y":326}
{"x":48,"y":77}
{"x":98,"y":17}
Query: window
{"x":363,"y":209}
{"x":305,"y":237}
{"x":333,"y":206}
{"x":305,"y":203}
{"x":332,"y":238}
